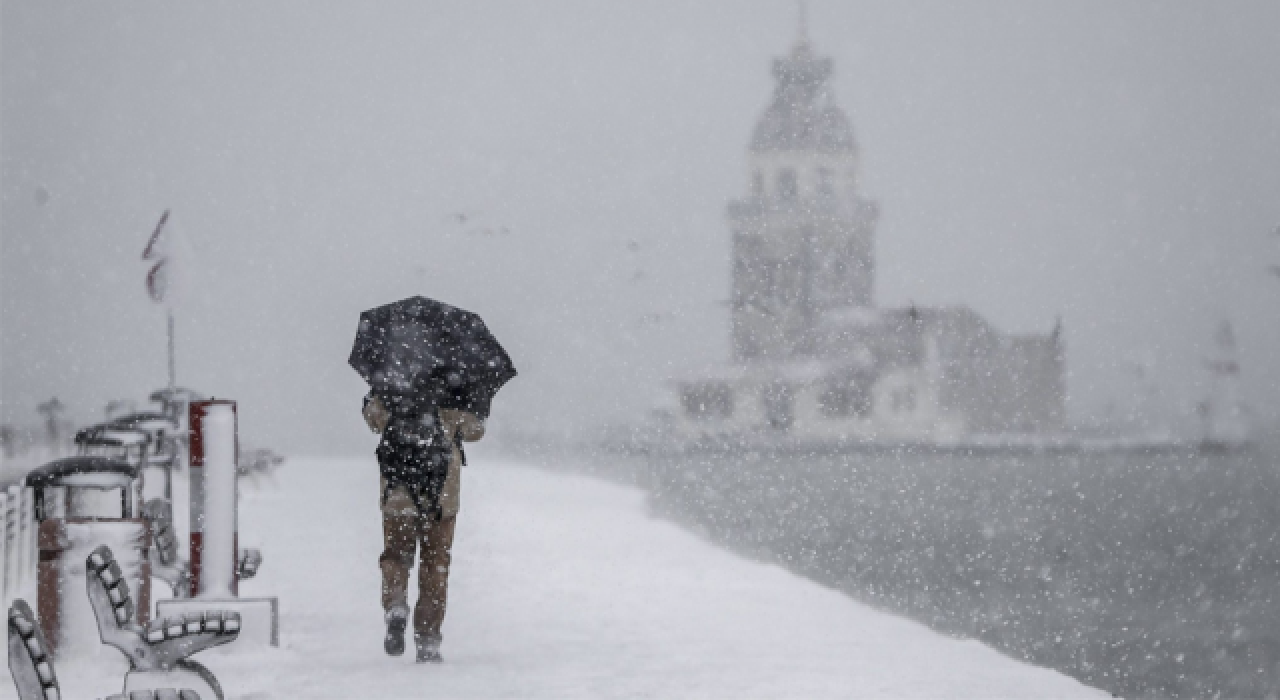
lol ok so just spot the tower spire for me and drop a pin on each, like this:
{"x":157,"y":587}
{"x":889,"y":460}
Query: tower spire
{"x":802,"y":23}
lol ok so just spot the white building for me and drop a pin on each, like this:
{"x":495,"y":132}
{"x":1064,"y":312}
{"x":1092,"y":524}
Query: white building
{"x":813,"y":359}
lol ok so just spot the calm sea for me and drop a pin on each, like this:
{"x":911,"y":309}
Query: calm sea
{"x":1146,"y":575}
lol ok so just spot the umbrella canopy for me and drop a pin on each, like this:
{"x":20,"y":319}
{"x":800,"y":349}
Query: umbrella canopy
{"x":424,"y":349}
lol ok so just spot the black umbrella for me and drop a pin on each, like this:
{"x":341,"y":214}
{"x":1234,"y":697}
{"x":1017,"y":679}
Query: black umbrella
{"x":419,"y":347}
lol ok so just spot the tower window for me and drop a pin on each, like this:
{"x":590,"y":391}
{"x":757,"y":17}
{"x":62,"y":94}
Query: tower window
{"x":787,"y":188}
{"x":706,"y":401}
{"x":846,"y":398}
{"x":825,"y":185}
{"x":903,"y":400}
{"x":779,"y":408}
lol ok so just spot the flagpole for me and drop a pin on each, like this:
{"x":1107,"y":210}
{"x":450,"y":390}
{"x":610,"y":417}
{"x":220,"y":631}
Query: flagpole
{"x":160,"y":250}
{"x":172,"y":382}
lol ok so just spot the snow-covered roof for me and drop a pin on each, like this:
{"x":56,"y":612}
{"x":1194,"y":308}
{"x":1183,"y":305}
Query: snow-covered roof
{"x":851,"y":316}
{"x":797,"y":370}
{"x":802,"y":116}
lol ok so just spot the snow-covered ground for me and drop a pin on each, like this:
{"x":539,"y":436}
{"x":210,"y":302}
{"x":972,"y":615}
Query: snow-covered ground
{"x":564,"y":587}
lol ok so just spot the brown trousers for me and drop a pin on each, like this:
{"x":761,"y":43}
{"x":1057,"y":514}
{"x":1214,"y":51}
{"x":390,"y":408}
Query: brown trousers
{"x":402,"y":534}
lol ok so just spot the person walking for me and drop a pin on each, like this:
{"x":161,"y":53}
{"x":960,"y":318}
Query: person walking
{"x":433,"y":370}
{"x":420,"y":459}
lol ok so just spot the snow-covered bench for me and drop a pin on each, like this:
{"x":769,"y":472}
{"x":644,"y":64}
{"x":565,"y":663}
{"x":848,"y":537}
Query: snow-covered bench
{"x":159,"y":652}
{"x":31,"y":664}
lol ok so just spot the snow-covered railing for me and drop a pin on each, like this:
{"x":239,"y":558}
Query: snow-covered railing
{"x":17,"y":543}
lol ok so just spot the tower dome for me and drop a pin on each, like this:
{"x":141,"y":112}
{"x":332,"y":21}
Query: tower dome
{"x":802,"y":115}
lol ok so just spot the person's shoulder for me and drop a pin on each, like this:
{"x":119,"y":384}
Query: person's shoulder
{"x":454,"y":416}
{"x":375,"y":413}
{"x":471,"y":425}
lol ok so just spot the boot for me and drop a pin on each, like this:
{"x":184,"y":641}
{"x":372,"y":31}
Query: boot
{"x":397,"y":619}
{"x":428,"y":649}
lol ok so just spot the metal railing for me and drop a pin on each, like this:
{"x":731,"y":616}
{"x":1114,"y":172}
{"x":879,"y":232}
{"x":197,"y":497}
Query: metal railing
{"x":17,"y":543}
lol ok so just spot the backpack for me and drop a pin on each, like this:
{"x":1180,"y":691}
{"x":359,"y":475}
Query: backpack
{"x":414,"y":451}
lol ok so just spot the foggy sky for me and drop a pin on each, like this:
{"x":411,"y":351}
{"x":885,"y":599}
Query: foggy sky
{"x":1115,"y":164}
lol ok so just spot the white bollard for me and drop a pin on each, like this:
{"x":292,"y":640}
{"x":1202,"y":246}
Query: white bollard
{"x":6,"y":593}
{"x":12,"y":543}
{"x":213,"y":499}
{"x":28,"y":552}
{"x":181,"y":482}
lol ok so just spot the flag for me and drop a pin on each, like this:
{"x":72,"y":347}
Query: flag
{"x":157,"y":250}
{"x":165,"y":251}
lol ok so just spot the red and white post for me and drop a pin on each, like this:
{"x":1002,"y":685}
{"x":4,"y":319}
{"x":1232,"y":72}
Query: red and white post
{"x":214,"y":535}
{"x":215,"y":555}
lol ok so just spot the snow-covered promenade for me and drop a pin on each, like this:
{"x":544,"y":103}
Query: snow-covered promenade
{"x":563,"y":587}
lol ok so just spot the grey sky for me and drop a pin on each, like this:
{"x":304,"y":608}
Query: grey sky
{"x":1117,"y":164}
